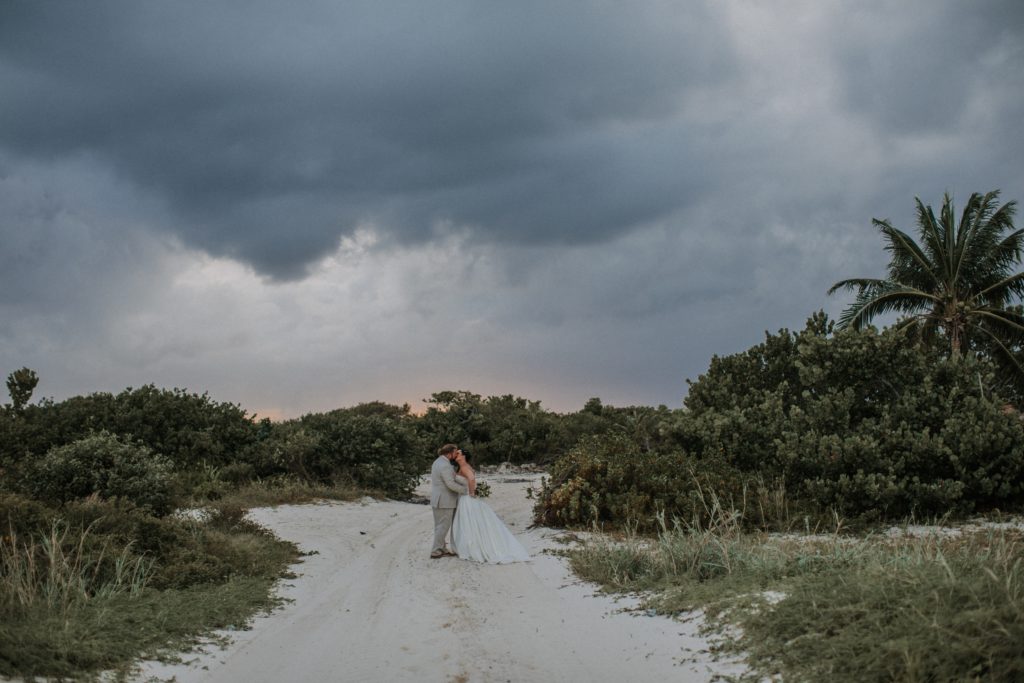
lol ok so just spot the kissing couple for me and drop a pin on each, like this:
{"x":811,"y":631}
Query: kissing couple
{"x":476,"y":531}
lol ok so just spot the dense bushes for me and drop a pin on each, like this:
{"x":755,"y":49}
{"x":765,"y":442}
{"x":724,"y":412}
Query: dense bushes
{"x":859,"y":422}
{"x":864,"y":423}
{"x":496,"y":429}
{"x":65,"y":450}
{"x":190,"y":429}
{"x":104,"y":465}
{"x":370,"y":449}
{"x":612,"y":479}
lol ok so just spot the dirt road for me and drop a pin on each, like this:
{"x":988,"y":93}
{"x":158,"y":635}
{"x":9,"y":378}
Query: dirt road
{"x":370,"y":605}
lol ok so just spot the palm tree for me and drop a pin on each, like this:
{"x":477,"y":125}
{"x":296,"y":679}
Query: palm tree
{"x":958,"y":280}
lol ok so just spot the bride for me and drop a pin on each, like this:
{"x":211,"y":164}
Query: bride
{"x":478,"y":534}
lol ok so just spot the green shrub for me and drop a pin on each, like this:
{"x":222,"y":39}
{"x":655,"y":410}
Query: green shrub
{"x":610,"y":479}
{"x":190,"y":429}
{"x":103,"y":465}
{"x":20,"y":515}
{"x":496,"y":429}
{"x":237,"y":473}
{"x":860,"y":422}
{"x":374,"y":451}
{"x":290,"y":448}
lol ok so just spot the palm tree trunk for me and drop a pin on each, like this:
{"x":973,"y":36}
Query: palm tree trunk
{"x":955,"y":327}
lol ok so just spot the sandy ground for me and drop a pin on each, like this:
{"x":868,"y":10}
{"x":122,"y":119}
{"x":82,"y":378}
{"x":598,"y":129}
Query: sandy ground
{"x":370,"y":605}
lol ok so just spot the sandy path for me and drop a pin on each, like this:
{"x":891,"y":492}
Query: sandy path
{"x":372,"y":606}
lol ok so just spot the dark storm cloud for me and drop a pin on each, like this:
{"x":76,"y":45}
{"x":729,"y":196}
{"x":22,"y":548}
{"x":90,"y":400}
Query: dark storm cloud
{"x":269,"y":132}
{"x":917,"y":67}
{"x":572,"y":199}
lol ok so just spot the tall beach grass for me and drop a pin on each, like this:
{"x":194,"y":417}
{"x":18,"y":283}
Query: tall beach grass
{"x":58,"y":569}
{"x":94,"y":586}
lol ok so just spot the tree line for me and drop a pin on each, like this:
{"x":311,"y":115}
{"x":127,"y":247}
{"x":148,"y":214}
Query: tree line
{"x":196,"y":446}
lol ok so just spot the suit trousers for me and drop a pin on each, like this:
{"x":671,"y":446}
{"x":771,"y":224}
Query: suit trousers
{"x":442,"y":523}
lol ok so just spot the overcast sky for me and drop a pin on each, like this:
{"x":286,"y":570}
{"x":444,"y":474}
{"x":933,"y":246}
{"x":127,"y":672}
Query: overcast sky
{"x":303,"y":206}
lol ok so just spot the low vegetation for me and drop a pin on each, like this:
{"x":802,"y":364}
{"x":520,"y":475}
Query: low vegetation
{"x":94,"y":584}
{"x":813,"y":607}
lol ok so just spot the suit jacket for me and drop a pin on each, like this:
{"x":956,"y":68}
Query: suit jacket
{"x":444,"y":490}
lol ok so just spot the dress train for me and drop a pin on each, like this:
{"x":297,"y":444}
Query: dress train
{"x":479,"y":535}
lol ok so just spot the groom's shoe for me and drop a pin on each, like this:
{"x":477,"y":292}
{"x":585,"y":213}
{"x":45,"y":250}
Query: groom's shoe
{"x":449,"y":553}
{"x":437,"y":554}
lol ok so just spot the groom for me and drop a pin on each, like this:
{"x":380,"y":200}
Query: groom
{"x":444,"y":495}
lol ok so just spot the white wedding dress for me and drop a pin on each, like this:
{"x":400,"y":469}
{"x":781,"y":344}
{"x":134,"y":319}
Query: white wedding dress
{"x":479,"y":535}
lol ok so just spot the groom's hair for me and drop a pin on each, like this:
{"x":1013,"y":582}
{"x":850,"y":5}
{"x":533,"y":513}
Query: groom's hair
{"x":446,"y":449}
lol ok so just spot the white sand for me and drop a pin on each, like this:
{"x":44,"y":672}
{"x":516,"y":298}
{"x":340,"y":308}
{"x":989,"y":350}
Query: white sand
{"x":372,"y":606}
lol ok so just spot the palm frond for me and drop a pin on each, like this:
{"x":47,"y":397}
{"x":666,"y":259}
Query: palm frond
{"x":930,"y":232}
{"x":1000,"y":258}
{"x":855,"y":283}
{"x":988,"y":255}
{"x":972,"y":236}
{"x":1009,"y":250}
{"x":907,"y":255}
{"x":1005,"y":353}
{"x":948,"y":221}
{"x":997,"y":293}
{"x":978,"y":213}
{"x":1011,"y":325}
{"x":893,"y":299}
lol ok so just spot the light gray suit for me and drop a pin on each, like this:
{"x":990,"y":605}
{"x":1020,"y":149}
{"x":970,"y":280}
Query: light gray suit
{"x":444,"y":496}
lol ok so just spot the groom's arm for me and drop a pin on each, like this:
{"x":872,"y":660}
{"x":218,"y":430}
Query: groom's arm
{"x":448,"y":477}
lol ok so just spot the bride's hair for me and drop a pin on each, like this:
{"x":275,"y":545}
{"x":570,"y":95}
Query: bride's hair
{"x":466,"y":457}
